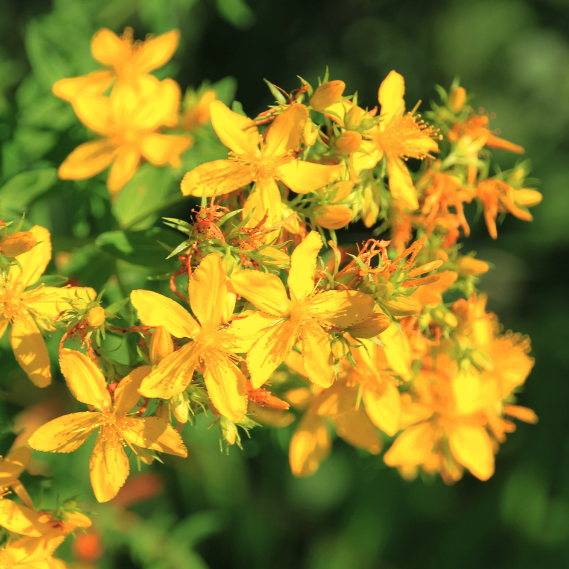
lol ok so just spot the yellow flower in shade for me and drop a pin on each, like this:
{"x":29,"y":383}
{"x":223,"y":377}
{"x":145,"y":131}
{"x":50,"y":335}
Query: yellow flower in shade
{"x":399,"y":136}
{"x":26,"y":309}
{"x":128,"y":122}
{"x":248,"y":162}
{"x":306,"y":315}
{"x":32,"y":553}
{"x":213,"y":344}
{"x":129,"y":62}
{"x":109,"y":465}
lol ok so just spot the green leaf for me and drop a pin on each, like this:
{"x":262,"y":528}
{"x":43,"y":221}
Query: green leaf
{"x":116,"y":307}
{"x":20,"y":191}
{"x":279,"y":97}
{"x":236,"y":12}
{"x":90,"y":267}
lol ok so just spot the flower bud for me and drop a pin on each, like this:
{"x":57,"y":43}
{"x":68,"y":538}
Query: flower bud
{"x":339,"y":348}
{"x":471,"y":267}
{"x":371,"y":327}
{"x":17,"y":244}
{"x":456,"y":100}
{"x":384,"y":289}
{"x":333,"y":216}
{"x":228,"y":431}
{"x":327,"y":94}
{"x":96,"y":317}
{"x":310,"y":133}
{"x":402,"y":306}
{"x":179,"y":407}
{"x":348,"y":142}
{"x":354,"y":117}
{"x":161,"y":345}
{"x":444,"y":318}
{"x":527,"y":198}
{"x":339,"y":191}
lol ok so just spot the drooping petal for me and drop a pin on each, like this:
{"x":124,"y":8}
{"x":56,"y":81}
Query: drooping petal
{"x":207,"y":290}
{"x":87,"y":160}
{"x":161,"y":149}
{"x":303,"y":266}
{"x":384,"y":408}
{"x":284,"y":133}
{"x":264,"y":291}
{"x":93,"y":112}
{"x":126,"y":394}
{"x":123,"y":169}
{"x":156,"y":52}
{"x":155,"y":434}
{"x":30,"y":349}
{"x":65,"y":434}
{"x":412,"y":447}
{"x":309,"y":446}
{"x":172,"y":375}
{"x":218,"y":177}
{"x":342,"y":308}
{"x":20,"y":519}
{"x":270,"y":350}
{"x":107,"y":48}
{"x":34,"y":262}
{"x":84,"y":379}
{"x":304,"y":177}
{"x":390,"y":96}
{"x":472,"y":447}
{"x":356,"y":429}
{"x":226,"y":387}
{"x":400,"y":182}
{"x":92,"y":84}
{"x":237,"y":132}
{"x":156,"y":310}
{"x":108,"y":466}
{"x":317,"y":355}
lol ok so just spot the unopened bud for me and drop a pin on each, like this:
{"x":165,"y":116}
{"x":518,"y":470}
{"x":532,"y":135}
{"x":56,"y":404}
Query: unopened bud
{"x":402,"y":306}
{"x":179,"y":407}
{"x":333,"y":216}
{"x":96,"y":317}
{"x":228,"y":431}
{"x":471,"y":267}
{"x":339,"y":348}
{"x":17,"y":244}
{"x":348,"y":142}
{"x":161,"y":345}
{"x":444,"y":318}
{"x":353,"y":118}
{"x":310,"y":133}
{"x":371,"y":327}
{"x":383,"y":289}
{"x":326,"y":95}
{"x":527,"y":198}
{"x":275,"y":257}
{"x":456,"y":100}
{"x":339,"y":191}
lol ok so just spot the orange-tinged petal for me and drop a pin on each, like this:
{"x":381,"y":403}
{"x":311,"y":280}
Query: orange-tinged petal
{"x":155,"y":434}
{"x":20,"y":519}
{"x":384,"y":408}
{"x":172,"y":375}
{"x":218,"y":177}
{"x":30,"y":349}
{"x":156,"y":52}
{"x":309,"y":446}
{"x":107,"y":48}
{"x":161,"y":149}
{"x":123,"y":169}
{"x":472,"y":447}
{"x":87,"y":160}
{"x":108,"y":466}
{"x":412,"y":447}
{"x":65,"y":434}
{"x":356,"y":429}
{"x":226,"y":387}
{"x":92,"y":84}
{"x":390,"y":96}
{"x":284,"y":133}
{"x":341,"y":308}
{"x":303,"y":266}
{"x":207,"y":290}
{"x":156,"y":310}
{"x":237,"y":132}
{"x":126,"y":394}
{"x":400,"y":183}
{"x":265,"y":291}
{"x":93,"y":112}
{"x":304,"y":177}
{"x":84,"y":379}
{"x":270,"y":350}
{"x":317,"y":355}
{"x":34,"y":262}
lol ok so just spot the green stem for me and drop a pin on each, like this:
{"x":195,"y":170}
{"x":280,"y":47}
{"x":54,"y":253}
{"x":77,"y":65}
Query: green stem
{"x":164,"y":205}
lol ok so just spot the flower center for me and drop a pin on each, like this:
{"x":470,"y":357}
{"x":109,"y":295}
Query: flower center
{"x":405,"y":136}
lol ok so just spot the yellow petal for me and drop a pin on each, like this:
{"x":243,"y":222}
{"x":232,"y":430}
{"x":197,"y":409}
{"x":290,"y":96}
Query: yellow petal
{"x":3,"y":325}
{"x":412,"y":447}
{"x":50,"y":301}
{"x":226,"y":387}
{"x":156,"y":52}
{"x":123,"y":169}
{"x":108,"y":466}
{"x":341,"y":308}
{"x":20,"y":519}
{"x":384,"y":408}
{"x":84,"y":379}
{"x":285,"y":131}
{"x":158,"y":108}
{"x":267,"y":205}
{"x":33,"y":552}
{"x":367,"y":157}
{"x":155,"y":434}
{"x":376,"y":323}
{"x":265,"y":291}
{"x":309,"y":446}
{"x":400,"y":183}
{"x":390,"y":96}
{"x":65,"y":434}
{"x":161,"y":149}
{"x":92,"y":84}
{"x":93,"y":112}
{"x":237,"y":132}
{"x":472,"y":447}
{"x":356,"y":429}
{"x":218,"y":177}
{"x":207,"y":290}
{"x":13,"y":465}
{"x":270,"y":350}
{"x":303,"y":262}
{"x":156,"y":310}
{"x":107,"y":48}
{"x":397,"y":352}
{"x":247,"y":329}
{"x":30,"y":349}
{"x":304,"y":177}
{"x":35,"y":261}
{"x":317,"y":355}
{"x":126,"y":394}
{"x":172,"y":375}
{"x":87,"y":160}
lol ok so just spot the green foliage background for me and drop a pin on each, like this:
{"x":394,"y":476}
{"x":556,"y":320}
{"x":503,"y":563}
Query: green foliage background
{"x":245,"y":509}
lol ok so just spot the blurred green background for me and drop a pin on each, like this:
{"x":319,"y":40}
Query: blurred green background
{"x":245,"y":509}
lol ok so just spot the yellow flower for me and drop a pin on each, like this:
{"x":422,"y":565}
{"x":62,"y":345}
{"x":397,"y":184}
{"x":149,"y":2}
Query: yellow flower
{"x":305,"y":316}
{"x":25,"y":309}
{"x":109,"y":465}
{"x":32,"y":553}
{"x":128,"y":122}
{"x":129,"y":62}
{"x":212,"y":346}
